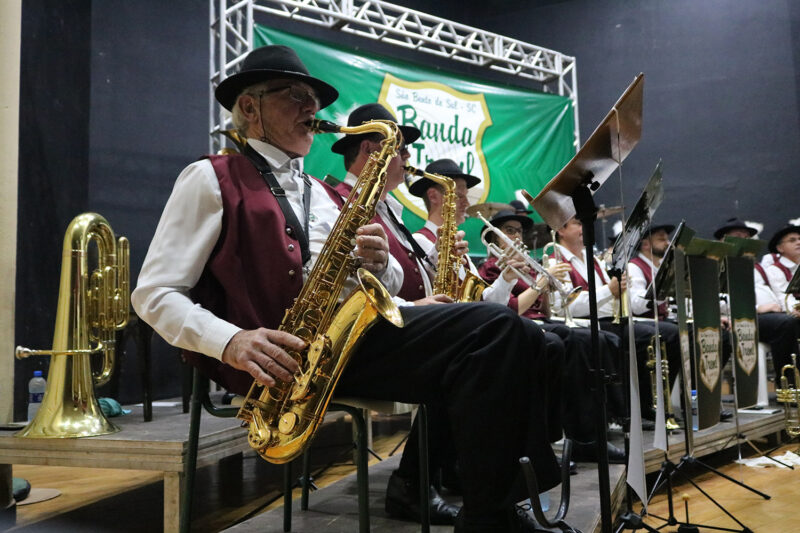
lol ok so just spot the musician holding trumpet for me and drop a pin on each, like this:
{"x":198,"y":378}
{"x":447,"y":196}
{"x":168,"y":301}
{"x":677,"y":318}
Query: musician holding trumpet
{"x":530,"y":298}
{"x":227,"y":261}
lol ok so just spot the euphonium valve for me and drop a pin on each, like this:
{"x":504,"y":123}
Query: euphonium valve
{"x":789,"y":396}
{"x":92,"y":306}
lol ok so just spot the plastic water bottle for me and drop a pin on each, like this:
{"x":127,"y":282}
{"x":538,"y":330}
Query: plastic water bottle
{"x":544,"y":500}
{"x":694,"y":409}
{"x":36,"y":387}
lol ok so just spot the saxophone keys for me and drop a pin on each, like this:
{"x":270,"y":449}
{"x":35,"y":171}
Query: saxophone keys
{"x":287,"y":423}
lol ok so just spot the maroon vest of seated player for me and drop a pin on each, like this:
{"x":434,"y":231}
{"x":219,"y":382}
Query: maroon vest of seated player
{"x":255,"y":270}
{"x":489,"y":271}
{"x":648,"y":277}
{"x":412,"y":288}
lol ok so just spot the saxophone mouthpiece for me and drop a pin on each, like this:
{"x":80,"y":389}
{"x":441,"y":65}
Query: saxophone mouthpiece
{"x":322,"y":126}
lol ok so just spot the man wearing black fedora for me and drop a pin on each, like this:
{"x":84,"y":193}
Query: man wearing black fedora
{"x":786,"y":244}
{"x":775,"y":327}
{"x":402,"y":493}
{"x":230,"y":254}
{"x":432,"y":195}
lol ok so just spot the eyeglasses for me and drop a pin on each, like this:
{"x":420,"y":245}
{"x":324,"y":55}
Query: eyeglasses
{"x":296,"y":93}
{"x":511,"y":230}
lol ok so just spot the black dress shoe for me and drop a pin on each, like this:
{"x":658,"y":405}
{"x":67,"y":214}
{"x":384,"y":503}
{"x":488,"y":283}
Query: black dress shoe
{"x":725,"y":414}
{"x":402,"y":501}
{"x":648,"y":425}
{"x":586,"y":452}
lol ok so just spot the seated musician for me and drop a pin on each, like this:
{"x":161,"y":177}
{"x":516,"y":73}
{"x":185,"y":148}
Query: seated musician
{"x":532,"y":302}
{"x":402,"y":493}
{"x":570,"y":248}
{"x":432,"y":195}
{"x":227,"y":260}
{"x":641,"y":271}
{"x":786,"y":244}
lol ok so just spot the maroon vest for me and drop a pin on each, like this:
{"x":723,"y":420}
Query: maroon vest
{"x":663,"y":310}
{"x":489,"y":271}
{"x":413,"y":288}
{"x":763,"y":273}
{"x":577,"y":279}
{"x":431,"y":236}
{"x":255,"y":270}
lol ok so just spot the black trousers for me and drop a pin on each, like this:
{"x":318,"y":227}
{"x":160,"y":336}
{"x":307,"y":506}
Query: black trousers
{"x":781,"y":332}
{"x":441,"y":449}
{"x":473,"y":360}
{"x":578,"y":400}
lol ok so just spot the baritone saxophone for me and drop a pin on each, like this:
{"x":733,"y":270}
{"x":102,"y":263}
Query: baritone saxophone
{"x":283,"y":419}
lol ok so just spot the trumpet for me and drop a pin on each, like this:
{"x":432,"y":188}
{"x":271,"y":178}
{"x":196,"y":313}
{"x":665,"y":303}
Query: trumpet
{"x":517,"y":249}
{"x":651,"y":365}
{"x":557,"y":258}
{"x":790,"y":397}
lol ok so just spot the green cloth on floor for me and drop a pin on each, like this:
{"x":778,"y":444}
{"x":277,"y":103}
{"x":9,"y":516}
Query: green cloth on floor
{"x":21,"y":488}
{"x":111,"y":407}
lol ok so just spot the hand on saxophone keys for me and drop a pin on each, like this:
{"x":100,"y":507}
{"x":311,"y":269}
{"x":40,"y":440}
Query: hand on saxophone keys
{"x":372,"y":248}
{"x":262,"y":354}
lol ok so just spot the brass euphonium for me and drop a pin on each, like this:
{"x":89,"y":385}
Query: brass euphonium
{"x":447,"y":280}
{"x":283,"y":419}
{"x":790,"y":398}
{"x":651,"y":364}
{"x":92,"y":305}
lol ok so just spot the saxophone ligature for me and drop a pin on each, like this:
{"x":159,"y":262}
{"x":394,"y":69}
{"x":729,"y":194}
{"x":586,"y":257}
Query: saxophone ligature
{"x":447,"y":280}
{"x":671,"y":423}
{"x":92,"y":306}
{"x":789,"y":396}
{"x":283,"y":419}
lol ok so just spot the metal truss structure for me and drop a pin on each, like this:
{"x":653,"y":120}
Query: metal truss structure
{"x":231,"y":37}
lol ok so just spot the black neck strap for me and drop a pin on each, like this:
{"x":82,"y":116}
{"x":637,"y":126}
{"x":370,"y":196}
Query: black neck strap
{"x":410,"y":238}
{"x":293,"y":226}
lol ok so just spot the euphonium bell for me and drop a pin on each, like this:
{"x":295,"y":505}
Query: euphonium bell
{"x":92,"y":305}
{"x":790,"y":398}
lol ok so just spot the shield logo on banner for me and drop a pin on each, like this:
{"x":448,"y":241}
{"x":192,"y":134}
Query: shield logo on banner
{"x":709,"y":360}
{"x":747,"y":353}
{"x":452,"y":125}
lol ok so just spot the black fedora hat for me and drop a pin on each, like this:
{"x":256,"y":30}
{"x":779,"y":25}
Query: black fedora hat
{"x":731,"y":224}
{"x":781,"y":233}
{"x":519,"y":207}
{"x":371,"y":112}
{"x":501,"y":217}
{"x":658,"y":227}
{"x":443,"y":167}
{"x":271,"y":62}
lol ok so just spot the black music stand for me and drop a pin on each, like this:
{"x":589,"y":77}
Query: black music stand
{"x":672,"y":276}
{"x":570,"y":194}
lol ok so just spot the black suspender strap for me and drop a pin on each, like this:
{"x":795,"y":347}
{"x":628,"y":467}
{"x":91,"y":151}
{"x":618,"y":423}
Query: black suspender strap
{"x":300,"y":232}
{"x":410,"y":238}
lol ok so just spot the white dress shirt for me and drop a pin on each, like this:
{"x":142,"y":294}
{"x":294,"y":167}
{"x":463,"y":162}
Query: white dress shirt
{"x":580,"y":306}
{"x":498,"y":292}
{"x":778,"y":281}
{"x":185,"y":238}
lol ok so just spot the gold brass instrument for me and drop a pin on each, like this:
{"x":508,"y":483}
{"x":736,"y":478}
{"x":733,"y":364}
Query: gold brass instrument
{"x":571,"y":295}
{"x":283,"y":419}
{"x":651,"y":365}
{"x":519,"y":250}
{"x":447,"y":279}
{"x":790,"y":398}
{"x":92,"y":306}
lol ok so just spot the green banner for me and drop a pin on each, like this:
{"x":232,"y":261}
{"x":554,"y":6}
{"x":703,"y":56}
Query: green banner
{"x":509,"y":137}
{"x":742,"y":299}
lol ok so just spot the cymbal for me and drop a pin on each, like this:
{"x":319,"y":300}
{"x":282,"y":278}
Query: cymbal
{"x":605,"y":212}
{"x":488,"y":209}
{"x":538,"y":235}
